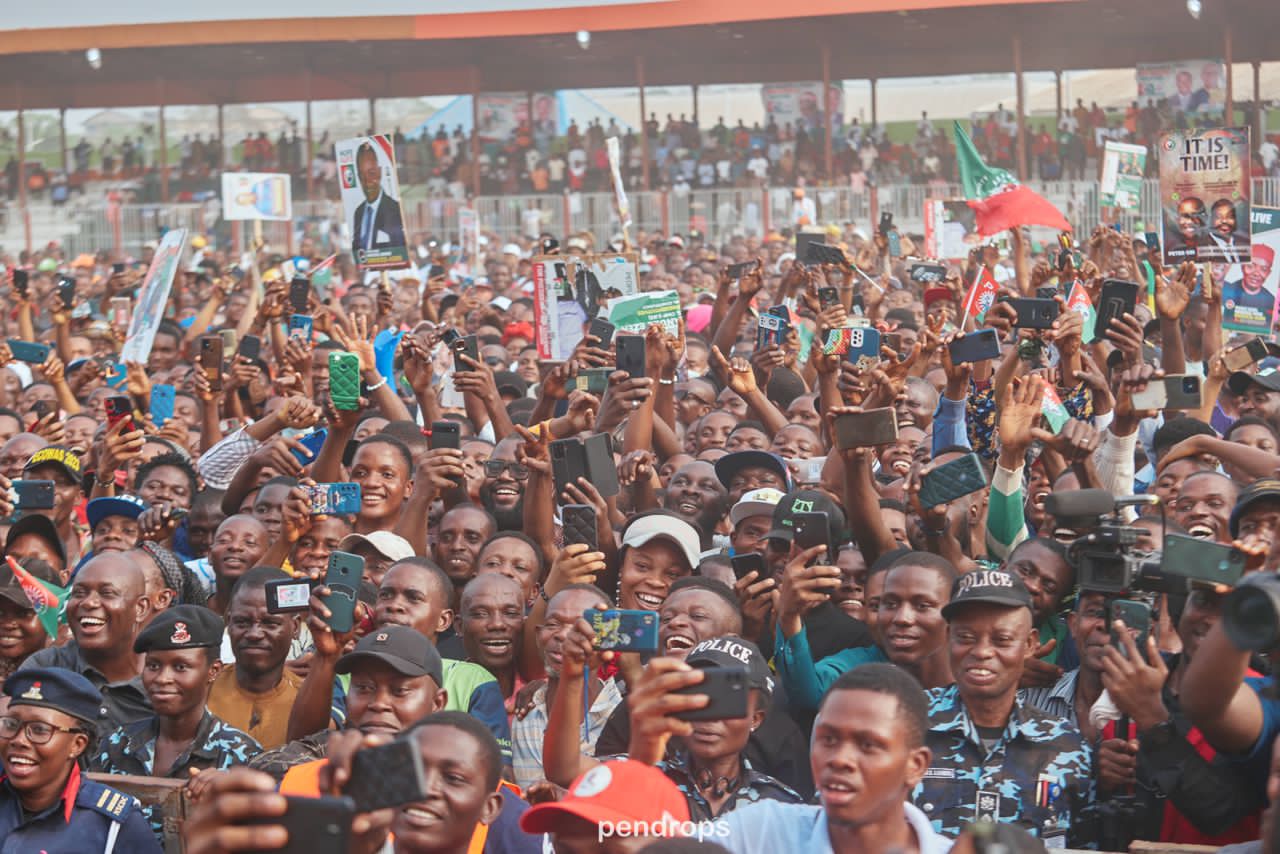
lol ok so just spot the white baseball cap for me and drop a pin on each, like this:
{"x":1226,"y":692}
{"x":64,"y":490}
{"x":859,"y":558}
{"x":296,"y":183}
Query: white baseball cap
{"x":391,"y":546}
{"x":757,"y":502}
{"x":665,"y":526}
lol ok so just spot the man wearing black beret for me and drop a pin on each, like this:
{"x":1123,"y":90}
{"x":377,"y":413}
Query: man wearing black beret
{"x":180,"y":648}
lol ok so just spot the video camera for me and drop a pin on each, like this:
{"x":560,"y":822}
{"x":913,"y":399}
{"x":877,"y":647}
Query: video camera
{"x":1251,"y":613}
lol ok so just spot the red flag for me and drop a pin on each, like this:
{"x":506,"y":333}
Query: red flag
{"x":1014,"y":206}
{"x":325,"y":264}
{"x":982,"y":294}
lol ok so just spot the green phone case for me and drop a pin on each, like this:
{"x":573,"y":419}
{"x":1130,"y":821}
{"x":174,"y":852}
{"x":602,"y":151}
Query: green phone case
{"x":344,"y":380}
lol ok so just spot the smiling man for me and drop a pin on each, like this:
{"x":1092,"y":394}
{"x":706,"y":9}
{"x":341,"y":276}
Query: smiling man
{"x":502,"y":491}
{"x":696,"y":496}
{"x":463,"y":530}
{"x":996,"y":757}
{"x":1203,"y":506}
{"x":490,"y":618}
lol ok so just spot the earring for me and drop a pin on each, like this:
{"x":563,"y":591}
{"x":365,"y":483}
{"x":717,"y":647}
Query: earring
{"x":617,"y":594}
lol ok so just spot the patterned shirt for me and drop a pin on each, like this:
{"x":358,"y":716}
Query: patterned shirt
{"x":754,"y":787}
{"x":527,"y":734}
{"x":1036,"y":775}
{"x":132,"y":749}
{"x":218,"y":465}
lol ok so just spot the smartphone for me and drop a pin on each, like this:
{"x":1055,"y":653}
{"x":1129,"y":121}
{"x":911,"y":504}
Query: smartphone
{"x":828,"y":298}
{"x":343,"y":580}
{"x":162,"y":397}
{"x":886,"y":223}
{"x":228,"y":337}
{"x":1176,"y":391}
{"x":1117,"y":298}
{"x":1136,"y":616}
{"x":866,"y":429}
{"x":813,"y":529}
{"x":953,"y":480}
{"x":726,"y":686}
{"x":568,"y":462}
{"x":41,"y":408}
{"x":1035,"y":313}
{"x":864,"y":345}
{"x":349,"y":452}
{"x":593,"y":380}
{"x":1047,"y":292}
{"x":445,"y":434}
{"x":313,"y":442}
{"x":630,"y":354}
{"x":805,"y":239}
{"x":602,"y":471}
{"x":1152,"y":240}
{"x":250,"y":347}
{"x":300,"y":294}
{"x":389,"y":775}
{"x":745,"y":564}
{"x":288,"y":595}
{"x":344,"y":380}
{"x":976,"y":347}
{"x":579,"y":524}
{"x":737,"y":271}
{"x":120,"y":312}
{"x":117,"y":268}
{"x":1248,"y":353}
{"x":120,"y":408}
{"x":33,"y":494}
{"x":334,"y":499}
{"x":1202,"y":560}
{"x":211,"y":360}
{"x":821,"y":253}
{"x":20,"y":281}
{"x":469,"y":346}
{"x":435,"y":271}
{"x":927,"y":274}
{"x":301,"y":326}
{"x":895,"y":244}
{"x":67,"y":291}
{"x":619,"y":628}
{"x":603,"y":330}
{"x":771,"y":331}
{"x":314,"y":824}
{"x":29,"y":351}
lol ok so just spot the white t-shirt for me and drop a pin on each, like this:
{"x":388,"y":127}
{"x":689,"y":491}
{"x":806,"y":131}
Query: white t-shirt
{"x":759,"y":167}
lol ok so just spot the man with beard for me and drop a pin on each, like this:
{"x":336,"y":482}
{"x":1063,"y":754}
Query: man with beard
{"x":696,"y":496}
{"x":1257,"y":394}
{"x":502,"y":492}
{"x":1223,"y":235}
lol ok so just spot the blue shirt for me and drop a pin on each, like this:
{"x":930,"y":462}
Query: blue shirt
{"x":770,"y":827}
{"x":89,"y":818}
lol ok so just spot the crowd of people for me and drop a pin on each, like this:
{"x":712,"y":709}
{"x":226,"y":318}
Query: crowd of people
{"x":880,"y":638}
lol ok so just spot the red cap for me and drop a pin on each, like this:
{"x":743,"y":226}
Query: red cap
{"x":623,"y":790}
{"x":932,"y":295}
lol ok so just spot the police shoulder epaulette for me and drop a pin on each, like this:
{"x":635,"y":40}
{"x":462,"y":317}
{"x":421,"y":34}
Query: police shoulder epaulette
{"x":103,"y":799}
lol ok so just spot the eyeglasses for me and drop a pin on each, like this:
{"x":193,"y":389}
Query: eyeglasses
{"x":495,"y":468}
{"x":38,"y":732}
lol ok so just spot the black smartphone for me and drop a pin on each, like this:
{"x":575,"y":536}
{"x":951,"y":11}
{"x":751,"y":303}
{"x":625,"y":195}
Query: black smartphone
{"x":1137,"y":618}
{"x":41,"y":408}
{"x":469,"y":346}
{"x":314,"y":824}
{"x":33,"y":494}
{"x":602,"y":329}
{"x":211,"y":360}
{"x":631,"y":354}
{"x":952,"y":480}
{"x":67,"y":291}
{"x":1116,"y":299}
{"x":579,"y":524}
{"x":812,"y":529}
{"x":602,"y":471}
{"x":288,"y":595}
{"x":886,"y":222}
{"x":1047,"y":292}
{"x":866,"y":429}
{"x":1035,"y":313}
{"x":117,"y":268}
{"x":737,"y":271}
{"x":343,"y":580}
{"x":1248,"y":353}
{"x":821,"y":253}
{"x":20,"y":280}
{"x":445,"y":434}
{"x":805,"y":239}
{"x":568,"y":462}
{"x":745,"y":564}
{"x":300,"y":295}
{"x":1202,"y":560}
{"x":976,"y":346}
{"x":828,"y":298}
{"x":727,"y":687}
{"x":435,"y":271}
{"x":389,"y":775}
{"x":250,"y":347}
{"x":925,"y":273}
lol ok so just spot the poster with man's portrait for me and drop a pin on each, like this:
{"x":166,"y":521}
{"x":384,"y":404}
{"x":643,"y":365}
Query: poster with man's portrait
{"x":371,"y":202}
{"x":1249,"y":290}
{"x":569,"y":291}
{"x":1204,"y":196}
{"x":1195,"y":87}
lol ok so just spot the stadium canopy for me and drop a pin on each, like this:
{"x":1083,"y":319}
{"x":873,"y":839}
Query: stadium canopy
{"x":310,"y":50}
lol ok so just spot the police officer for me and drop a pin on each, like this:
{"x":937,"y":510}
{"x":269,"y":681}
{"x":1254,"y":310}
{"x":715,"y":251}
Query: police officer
{"x":45,"y":802}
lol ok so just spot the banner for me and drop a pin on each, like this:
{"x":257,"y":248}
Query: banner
{"x":569,"y":291}
{"x":950,"y":229}
{"x":619,"y":191}
{"x":1122,"y":168}
{"x":256,"y":195}
{"x":469,"y":238}
{"x":1195,"y":86}
{"x":633,"y":314}
{"x":500,"y":115}
{"x":371,"y":202}
{"x":1249,"y":290}
{"x":800,"y":105}
{"x":1204,"y":195}
{"x":153,"y":295}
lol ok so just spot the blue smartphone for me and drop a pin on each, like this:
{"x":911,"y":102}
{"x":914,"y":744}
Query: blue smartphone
{"x":772,"y":331}
{"x":343,"y":580}
{"x":29,"y":351}
{"x":618,"y":628}
{"x":334,"y":499}
{"x":313,"y":441}
{"x":864,"y":346}
{"x":301,"y":326}
{"x":161,"y":404}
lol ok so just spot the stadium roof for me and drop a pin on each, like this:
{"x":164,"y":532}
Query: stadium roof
{"x":521,"y":45}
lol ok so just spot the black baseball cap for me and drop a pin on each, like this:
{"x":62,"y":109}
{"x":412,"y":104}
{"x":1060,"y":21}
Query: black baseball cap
{"x":406,"y":650}
{"x":1259,"y":490}
{"x":42,"y":527}
{"x":730,"y":464}
{"x":733,"y":651}
{"x":990,"y":587}
{"x":1240,"y":381}
{"x":807,"y":501}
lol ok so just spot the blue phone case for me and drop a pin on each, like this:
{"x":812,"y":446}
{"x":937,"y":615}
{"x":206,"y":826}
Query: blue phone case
{"x":312,"y":442}
{"x":864,"y":346}
{"x":161,"y":404}
{"x":771,"y":331}
{"x":301,"y":326}
{"x":617,"y":628}
{"x":328,"y":499}
{"x":29,"y":351}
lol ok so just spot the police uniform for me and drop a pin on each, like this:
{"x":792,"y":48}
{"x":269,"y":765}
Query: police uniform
{"x":131,"y":748}
{"x":89,"y":817}
{"x":1034,"y":773}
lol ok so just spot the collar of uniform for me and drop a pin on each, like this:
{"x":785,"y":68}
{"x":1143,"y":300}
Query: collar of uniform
{"x":678,"y":762}
{"x":71,"y":791}
{"x":142,"y":736}
{"x":948,"y":713}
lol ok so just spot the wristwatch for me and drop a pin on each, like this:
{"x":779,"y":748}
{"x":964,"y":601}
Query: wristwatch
{"x":1160,"y":735}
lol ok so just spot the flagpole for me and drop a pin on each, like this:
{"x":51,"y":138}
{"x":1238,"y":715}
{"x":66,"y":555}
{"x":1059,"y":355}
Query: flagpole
{"x":873,"y":282}
{"x":973,"y":291}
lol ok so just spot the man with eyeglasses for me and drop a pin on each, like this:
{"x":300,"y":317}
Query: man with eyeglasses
{"x":502,"y":492}
{"x":694,"y":399}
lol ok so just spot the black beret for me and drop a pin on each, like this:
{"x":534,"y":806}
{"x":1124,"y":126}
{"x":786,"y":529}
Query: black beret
{"x":181,"y":627}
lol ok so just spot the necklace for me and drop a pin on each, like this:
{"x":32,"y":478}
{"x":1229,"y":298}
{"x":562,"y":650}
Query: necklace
{"x":719,"y":786}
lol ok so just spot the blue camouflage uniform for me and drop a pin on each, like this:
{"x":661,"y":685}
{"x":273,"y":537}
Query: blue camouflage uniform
{"x":131,"y":750}
{"x":89,"y":818}
{"x":754,"y":787}
{"x":1036,"y":776}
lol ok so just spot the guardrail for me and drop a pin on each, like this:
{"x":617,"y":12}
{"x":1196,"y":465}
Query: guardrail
{"x":718,"y":213}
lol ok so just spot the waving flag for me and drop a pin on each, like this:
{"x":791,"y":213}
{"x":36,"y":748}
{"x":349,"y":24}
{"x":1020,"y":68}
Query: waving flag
{"x":1078,"y":301}
{"x":999,"y":201}
{"x":1053,"y":411}
{"x":982,"y":294}
{"x":46,"y":598}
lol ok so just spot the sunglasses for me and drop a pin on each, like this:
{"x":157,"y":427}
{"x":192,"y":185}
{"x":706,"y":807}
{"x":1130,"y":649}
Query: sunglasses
{"x":495,"y":468}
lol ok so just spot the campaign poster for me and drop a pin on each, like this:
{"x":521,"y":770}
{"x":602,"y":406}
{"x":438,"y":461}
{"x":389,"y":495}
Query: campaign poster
{"x":569,"y":292}
{"x":501,"y":114}
{"x":1196,"y":87}
{"x":469,"y":235}
{"x":153,"y":295}
{"x":257,"y":196}
{"x":950,"y":229}
{"x":1122,"y":168}
{"x":632,"y":315}
{"x":1249,"y":290}
{"x":801,"y":105}
{"x":1204,"y":195}
{"x":371,"y":202}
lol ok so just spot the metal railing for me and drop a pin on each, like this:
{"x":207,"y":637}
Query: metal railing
{"x":718,"y":213}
